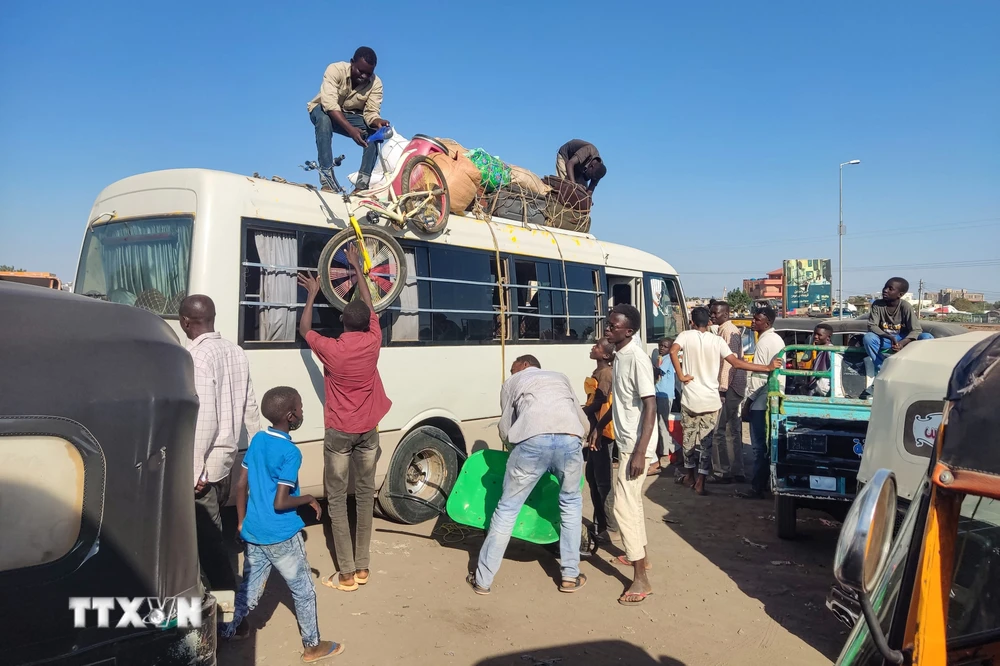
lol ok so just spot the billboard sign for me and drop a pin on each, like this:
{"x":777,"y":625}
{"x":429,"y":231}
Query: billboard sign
{"x":807,"y":287}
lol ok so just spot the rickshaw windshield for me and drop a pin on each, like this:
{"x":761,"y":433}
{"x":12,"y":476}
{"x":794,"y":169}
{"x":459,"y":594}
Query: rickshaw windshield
{"x":974,"y":609}
{"x":860,"y":649}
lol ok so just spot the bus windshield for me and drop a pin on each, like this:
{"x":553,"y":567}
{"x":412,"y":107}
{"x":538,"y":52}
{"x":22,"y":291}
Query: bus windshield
{"x":141,"y":262}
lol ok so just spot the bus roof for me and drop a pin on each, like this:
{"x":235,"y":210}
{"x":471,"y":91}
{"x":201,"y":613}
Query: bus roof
{"x":293,"y":203}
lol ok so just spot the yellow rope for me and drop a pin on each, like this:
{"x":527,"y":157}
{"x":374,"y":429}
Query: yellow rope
{"x":503,"y":310}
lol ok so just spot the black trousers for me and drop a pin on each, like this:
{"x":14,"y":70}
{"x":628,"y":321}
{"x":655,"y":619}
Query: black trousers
{"x":598,"y":471}
{"x":213,"y":556}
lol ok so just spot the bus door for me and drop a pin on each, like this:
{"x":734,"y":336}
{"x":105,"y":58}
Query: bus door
{"x":625,"y":289}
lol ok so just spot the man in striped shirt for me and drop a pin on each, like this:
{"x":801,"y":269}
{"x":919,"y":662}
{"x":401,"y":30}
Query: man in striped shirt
{"x":227,"y":415}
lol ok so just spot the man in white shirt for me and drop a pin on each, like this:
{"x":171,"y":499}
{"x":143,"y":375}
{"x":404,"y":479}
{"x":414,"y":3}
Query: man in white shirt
{"x":633,"y":408}
{"x":540,"y":415}
{"x":704,"y":353}
{"x":227,"y":415}
{"x":769,"y":350}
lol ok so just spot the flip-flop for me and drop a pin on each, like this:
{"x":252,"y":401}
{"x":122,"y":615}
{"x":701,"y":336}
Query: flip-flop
{"x":683,"y":481}
{"x":336,"y":649}
{"x":575,"y":584}
{"x":362,"y":581}
{"x":471,"y":580}
{"x":625,"y":562}
{"x":642,"y":597}
{"x":328,"y":581}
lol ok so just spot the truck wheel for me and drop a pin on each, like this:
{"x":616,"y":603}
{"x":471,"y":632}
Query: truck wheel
{"x":424,"y":466}
{"x":784,"y":516}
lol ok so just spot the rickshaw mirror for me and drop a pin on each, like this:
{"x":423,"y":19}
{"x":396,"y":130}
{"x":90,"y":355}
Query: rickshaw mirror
{"x":863,"y":546}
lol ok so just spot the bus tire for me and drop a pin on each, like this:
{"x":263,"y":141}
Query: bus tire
{"x":384,"y":250}
{"x":425,"y":466}
{"x":784,"y":516}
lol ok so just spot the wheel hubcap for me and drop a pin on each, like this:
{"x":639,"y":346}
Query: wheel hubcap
{"x":426,"y":473}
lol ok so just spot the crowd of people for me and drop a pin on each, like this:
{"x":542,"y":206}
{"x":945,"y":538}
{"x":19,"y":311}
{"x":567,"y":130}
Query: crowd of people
{"x":630,"y":399}
{"x":267,"y":488}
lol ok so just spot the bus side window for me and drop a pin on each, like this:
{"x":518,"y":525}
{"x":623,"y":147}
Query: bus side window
{"x":665,"y":311}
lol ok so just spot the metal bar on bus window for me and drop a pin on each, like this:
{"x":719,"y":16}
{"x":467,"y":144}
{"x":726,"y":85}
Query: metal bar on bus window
{"x":295,"y":306}
{"x":274,"y":267}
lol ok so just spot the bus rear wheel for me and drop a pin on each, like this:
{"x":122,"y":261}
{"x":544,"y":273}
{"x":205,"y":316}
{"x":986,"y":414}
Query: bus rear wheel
{"x":420,"y":477}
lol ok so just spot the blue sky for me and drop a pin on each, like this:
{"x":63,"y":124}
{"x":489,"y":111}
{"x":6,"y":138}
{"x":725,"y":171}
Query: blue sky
{"x":722,"y":123}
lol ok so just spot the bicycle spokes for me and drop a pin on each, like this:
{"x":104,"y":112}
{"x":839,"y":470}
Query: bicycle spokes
{"x":381,"y":278}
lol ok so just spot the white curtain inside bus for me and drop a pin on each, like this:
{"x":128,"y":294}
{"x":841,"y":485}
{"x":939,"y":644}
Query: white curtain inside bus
{"x":406,"y":327}
{"x":278,"y":284}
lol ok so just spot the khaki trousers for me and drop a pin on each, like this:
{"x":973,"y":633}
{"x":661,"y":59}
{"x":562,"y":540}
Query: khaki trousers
{"x":628,"y":511}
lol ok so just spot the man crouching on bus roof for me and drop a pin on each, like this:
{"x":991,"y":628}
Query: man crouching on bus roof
{"x":355,"y":403}
{"x":348,"y":103}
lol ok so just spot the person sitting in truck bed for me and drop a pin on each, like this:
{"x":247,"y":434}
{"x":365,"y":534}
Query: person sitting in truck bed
{"x":579,"y":161}
{"x":891,"y":324}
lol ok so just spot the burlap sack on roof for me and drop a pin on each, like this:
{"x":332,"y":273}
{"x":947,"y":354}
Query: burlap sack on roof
{"x":462,"y":177}
{"x":527,"y":180}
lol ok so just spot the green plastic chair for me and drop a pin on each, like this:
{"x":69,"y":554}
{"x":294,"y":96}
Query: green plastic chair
{"x":477,"y":492}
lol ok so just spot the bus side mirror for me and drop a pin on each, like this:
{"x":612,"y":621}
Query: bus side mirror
{"x":863,"y":549}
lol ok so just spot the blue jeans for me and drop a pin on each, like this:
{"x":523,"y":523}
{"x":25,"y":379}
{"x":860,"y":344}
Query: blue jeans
{"x":761,"y":460}
{"x":875,"y":343}
{"x":563,"y":456}
{"x":325,"y":129}
{"x":289,"y":558}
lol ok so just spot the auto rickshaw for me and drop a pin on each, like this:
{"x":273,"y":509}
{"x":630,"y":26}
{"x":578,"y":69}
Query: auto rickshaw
{"x":931,"y":596}
{"x":905,"y":416}
{"x":96,"y":486}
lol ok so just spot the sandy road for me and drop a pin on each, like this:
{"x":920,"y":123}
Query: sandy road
{"x":727,"y":591}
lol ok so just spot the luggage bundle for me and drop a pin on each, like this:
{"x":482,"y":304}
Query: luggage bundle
{"x":488,"y":187}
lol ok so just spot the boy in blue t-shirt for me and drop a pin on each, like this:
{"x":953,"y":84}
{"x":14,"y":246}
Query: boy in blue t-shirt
{"x":270,"y":526}
{"x":663,"y":373}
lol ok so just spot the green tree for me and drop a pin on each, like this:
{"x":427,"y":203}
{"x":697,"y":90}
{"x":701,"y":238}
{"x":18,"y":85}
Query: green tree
{"x":996,"y":305}
{"x":739,"y":300}
{"x":965,"y":305}
{"x":4,"y":268}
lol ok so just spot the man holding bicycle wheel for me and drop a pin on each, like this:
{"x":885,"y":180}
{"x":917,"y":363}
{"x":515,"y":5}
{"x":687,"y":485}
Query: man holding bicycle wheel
{"x":355,"y":403}
{"x":348,"y":103}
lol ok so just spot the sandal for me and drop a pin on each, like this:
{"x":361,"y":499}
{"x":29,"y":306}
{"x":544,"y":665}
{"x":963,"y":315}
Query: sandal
{"x":362,"y":581}
{"x":637,"y":598}
{"x":471,"y":580}
{"x":683,"y":480}
{"x":625,"y":562}
{"x":328,"y":581}
{"x":335,"y":649}
{"x":570,"y":585}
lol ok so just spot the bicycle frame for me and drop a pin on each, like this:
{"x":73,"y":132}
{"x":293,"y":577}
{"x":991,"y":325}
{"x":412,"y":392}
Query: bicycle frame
{"x":392,"y":210}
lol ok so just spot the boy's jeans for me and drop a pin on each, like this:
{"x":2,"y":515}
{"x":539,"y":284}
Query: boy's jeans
{"x":563,"y":456}
{"x":875,"y":343}
{"x":289,"y":558}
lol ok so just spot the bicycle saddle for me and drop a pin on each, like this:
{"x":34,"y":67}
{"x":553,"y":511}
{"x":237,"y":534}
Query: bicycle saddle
{"x":381,"y":135}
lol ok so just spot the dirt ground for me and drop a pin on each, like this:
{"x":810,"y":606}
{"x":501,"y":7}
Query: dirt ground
{"x":727,"y":591}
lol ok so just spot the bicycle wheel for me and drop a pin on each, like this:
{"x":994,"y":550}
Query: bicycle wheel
{"x":421,"y":174}
{"x":387,"y":276}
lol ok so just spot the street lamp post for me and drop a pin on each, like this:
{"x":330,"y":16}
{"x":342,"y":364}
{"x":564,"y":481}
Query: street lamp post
{"x":840,"y":235}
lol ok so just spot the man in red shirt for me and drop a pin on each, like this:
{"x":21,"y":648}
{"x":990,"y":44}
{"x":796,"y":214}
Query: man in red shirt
{"x":355,"y":403}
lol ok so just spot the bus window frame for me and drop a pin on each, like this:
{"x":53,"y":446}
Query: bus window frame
{"x":508,"y":292}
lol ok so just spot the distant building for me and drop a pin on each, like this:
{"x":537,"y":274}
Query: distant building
{"x":921,"y":304}
{"x":949,"y":296}
{"x":767,"y":288}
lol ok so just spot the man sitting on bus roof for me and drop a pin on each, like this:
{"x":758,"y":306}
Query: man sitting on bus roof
{"x":348,"y":103}
{"x":891,"y":324}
